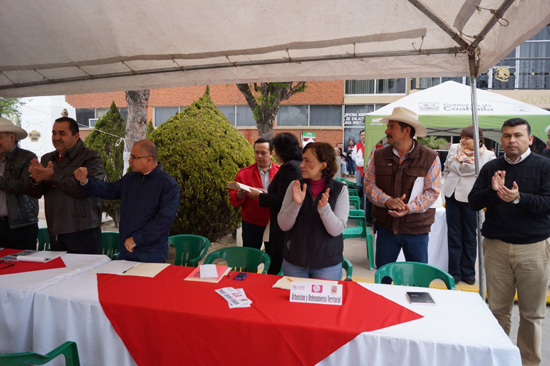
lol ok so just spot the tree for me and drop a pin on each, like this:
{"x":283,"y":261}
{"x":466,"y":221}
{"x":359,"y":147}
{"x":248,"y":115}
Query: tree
{"x":10,"y":108}
{"x":136,"y":124}
{"x":106,"y":139}
{"x":265,"y":99}
{"x":202,"y":151}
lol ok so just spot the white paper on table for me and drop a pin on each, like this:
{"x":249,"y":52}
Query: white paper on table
{"x":145,"y":269}
{"x":41,"y":256}
{"x":208,"y":271}
{"x":417,"y":189}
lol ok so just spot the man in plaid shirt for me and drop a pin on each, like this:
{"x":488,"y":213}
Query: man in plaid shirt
{"x":402,"y":181}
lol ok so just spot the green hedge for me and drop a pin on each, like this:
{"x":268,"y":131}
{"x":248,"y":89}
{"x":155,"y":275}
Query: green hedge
{"x":202,"y":151}
{"x":110,"y":149}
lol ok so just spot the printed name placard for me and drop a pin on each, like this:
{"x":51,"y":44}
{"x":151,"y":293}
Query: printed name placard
{"x":316,"y":293}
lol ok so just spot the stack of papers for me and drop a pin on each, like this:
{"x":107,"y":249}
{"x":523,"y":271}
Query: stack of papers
{"x":208,"y":273}
{"x":235,"y":297}
{"x":34,"y":256}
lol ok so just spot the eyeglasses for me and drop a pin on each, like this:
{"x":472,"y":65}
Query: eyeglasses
{"x":6,"y":264}
{"x":140,"y":157}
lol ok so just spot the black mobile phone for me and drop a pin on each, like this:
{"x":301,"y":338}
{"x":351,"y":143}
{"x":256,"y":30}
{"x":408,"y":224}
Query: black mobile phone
{"x":240,"y":276}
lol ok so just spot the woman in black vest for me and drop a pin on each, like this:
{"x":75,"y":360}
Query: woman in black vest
{"x":314,"y":214}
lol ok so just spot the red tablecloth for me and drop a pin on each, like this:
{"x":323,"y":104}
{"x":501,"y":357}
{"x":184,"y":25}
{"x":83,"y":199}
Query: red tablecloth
{"x":20,"y":267}
{"x":167,"y":321}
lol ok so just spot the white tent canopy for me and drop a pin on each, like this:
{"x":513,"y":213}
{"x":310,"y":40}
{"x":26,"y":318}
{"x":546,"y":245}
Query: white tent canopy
{"x":65,"y":47}
{"x":446,"y":109}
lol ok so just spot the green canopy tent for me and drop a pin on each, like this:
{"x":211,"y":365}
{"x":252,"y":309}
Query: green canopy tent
{"x":446,"y":109}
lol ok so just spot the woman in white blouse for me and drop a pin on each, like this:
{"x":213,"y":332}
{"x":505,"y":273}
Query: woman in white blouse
{"x":459,"y":174}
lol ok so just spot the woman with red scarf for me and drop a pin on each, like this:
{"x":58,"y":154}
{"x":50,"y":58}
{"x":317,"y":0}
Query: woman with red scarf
{"x":459,"y":174}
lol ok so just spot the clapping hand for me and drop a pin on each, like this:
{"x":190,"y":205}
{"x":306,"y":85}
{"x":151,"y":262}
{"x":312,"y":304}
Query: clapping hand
{"x":39,"y":173}
{"x":298,"y":195}
{"x":81,"y":175}
{"x":498,"y":180}
{"x":324,"y":199}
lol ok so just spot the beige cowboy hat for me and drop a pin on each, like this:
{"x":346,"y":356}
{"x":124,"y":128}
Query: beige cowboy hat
{"x":402,"y":114}
{"x":7,"y":126}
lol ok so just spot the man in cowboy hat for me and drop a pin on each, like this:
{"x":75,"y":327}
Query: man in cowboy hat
{"x":402,"y":181}
{"x":18,"y":212}
{"x":73,"y":217}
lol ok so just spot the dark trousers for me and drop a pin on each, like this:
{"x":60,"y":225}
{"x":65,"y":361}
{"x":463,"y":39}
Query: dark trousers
{"x":19,"y":238}
{"x":80,"y":242}
{"x":461,"y":237}
{"x":253,"y":235}
{"x":275,"y":251}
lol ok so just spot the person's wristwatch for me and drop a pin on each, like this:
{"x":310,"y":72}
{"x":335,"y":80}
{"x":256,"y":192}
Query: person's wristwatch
{"x":516,"y":201}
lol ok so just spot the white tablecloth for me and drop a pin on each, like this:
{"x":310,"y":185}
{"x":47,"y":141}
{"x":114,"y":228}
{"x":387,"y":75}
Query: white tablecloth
{"x":458,"y":330}
{"x":438,"y":254}
{"x":17,"y":293}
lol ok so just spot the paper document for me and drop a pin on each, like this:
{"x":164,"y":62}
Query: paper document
{"x":244,"y":187}
{"x":208,"y":271}
{"x":285,"y":282}
{"x":34,"y":256}
{"x":145,"y":269}
{"x":417,"y":189}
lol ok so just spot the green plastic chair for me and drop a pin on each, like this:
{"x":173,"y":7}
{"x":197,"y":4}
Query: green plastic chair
{"x":67,"y":349}
{"x":43,"y":239}
{"x":242,"y":259}
{"x":361,"y":231}
{"x":346,"y":265}
{"x":109,"y":244}
{"x":190,"y":249}
{"x":353,"y":192}
{"x":355,"y":201}
{"x":413,"y":274}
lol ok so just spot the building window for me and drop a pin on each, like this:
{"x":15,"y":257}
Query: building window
{"x":163,"y":114}
{"x":83,"y":116}
{"x":292,"y":115}
{"x":245,"y":117}
{"x":378,"y":86}
{"x":425,"y":83}
{"x":229,"y":112}
{"x":325,"y":115}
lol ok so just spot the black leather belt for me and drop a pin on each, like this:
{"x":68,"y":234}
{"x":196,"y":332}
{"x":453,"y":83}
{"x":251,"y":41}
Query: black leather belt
{"x":4,"y":218}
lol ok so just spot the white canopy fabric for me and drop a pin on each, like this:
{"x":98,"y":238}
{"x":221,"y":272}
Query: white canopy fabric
{"x":77,"y":46}
{"x":446,"y":109}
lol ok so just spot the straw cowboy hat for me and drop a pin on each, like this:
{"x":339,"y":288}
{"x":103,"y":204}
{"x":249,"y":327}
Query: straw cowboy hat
{"x":402,"y":114}
{"x":7,"y":126}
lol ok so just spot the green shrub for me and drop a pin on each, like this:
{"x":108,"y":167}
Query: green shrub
{"x":110,"y":149}
{"x":202,"y":151}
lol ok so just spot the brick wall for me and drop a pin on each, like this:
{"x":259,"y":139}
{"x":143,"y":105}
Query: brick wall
{"x":316,"y":93}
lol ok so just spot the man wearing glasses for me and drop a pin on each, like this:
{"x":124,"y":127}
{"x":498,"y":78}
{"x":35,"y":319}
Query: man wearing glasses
{"x":149,"y":200}
{"x":73,"y":217}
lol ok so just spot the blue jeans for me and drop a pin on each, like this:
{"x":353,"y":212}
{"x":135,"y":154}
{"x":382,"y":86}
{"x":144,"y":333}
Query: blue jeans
{"x":461,"y":236}
{"x":253,"y":235}
{"x":327,"y":273}
{"x":344,"y":167}
{"x":388,"y":246}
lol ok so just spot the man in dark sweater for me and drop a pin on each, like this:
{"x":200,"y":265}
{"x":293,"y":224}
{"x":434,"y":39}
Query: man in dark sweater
{"x":515,"y":189}
{"x":149,"y":201}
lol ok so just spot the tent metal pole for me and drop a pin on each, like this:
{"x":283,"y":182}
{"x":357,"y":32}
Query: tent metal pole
{"x":479,"y":216}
